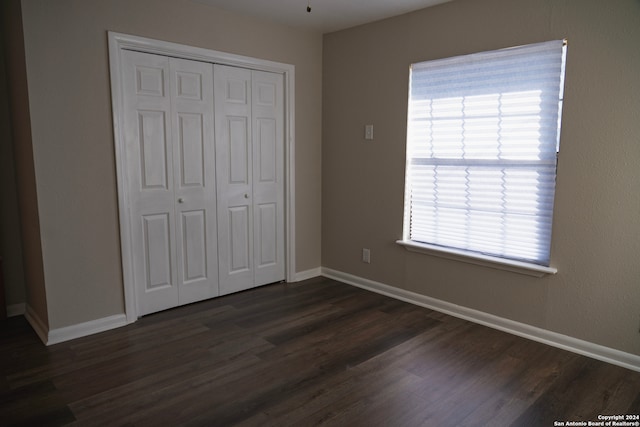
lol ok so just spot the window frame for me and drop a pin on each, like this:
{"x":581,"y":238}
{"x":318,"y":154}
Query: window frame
{"x":473,"y":256}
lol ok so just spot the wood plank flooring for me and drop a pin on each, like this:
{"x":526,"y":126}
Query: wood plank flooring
{"x":315,"y":353}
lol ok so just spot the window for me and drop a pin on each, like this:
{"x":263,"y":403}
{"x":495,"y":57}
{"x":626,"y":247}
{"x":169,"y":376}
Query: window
{"x":482,"y":143}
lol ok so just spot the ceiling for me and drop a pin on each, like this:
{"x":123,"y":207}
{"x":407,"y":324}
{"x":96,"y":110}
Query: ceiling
{"x":326,"y":15}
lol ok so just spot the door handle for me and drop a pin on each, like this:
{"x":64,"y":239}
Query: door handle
{"x":246,"y":196}
{"x":180,"y":200}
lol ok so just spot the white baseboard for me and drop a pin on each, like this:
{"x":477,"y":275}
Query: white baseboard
{"x":16,"y":309}
{"x":87,"y":328}
{"x":55,"y":336}
{"x":36,"y":323}
{"x":565,"y":342}
{"x":308,"y":274}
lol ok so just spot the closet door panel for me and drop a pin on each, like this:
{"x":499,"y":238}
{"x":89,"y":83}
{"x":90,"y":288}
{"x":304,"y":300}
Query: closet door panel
{"x":237,"y":145}
{"x":149,"y":159}
{"x":239,"y":243}
{"x":153,"y":150}
{"x":194,"y":180}
{"x":191,"y":140}
{"x":194,"y":246}
{"x":268,"y":229}
{"x":232,"y":88}
{"x":268,"y":171}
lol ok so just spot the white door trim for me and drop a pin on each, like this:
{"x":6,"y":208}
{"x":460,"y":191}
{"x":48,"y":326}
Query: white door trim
{"x":117,"y":44}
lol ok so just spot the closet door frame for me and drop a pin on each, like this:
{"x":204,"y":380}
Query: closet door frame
{"x":118,"y":43}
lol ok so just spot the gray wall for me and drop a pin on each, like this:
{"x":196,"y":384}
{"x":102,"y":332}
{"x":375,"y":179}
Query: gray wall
{"x":10,"y":242}
{"x":596,"y":231}
{"x":24,"y":274}
{"x":72,"y":137}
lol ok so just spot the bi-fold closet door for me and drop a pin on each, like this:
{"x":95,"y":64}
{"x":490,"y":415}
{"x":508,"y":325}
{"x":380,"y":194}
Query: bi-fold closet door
{"x":192,"y":237}
{"x":249,"y":117}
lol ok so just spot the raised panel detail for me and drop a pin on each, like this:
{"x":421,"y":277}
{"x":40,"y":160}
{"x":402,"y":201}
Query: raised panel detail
{"x":194,"y":247}
{"x":239,"y":238}
{"x":153,"y":146}
{"x":267,"y":149}
{"x":157,"y":252}
{"x":237,"y":91}
{"x":189,"y":85}
{"x":266,"y":94}
{"x":238,"y":150}
{"x":191,"y":149}
{"x":268,"y":232}
{"x":149,"y":81}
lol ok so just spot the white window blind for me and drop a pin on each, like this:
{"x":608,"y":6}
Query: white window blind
{"x":482,"y":142}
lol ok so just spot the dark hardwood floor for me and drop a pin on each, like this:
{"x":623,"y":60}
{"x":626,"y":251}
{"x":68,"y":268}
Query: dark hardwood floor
{"x":315,"y":353}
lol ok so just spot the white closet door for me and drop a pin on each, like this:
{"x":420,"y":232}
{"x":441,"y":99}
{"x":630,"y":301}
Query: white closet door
{"x":267,"y":110}
{"x":232,"y":88}
{"x":249,"y":169}
{"x":171,"y":182}
{"x":194,"y":179}
{"x":149,"y":158}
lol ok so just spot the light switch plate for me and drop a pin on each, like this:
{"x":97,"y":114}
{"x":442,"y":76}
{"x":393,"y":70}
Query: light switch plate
{"x":368,"y":132}
{"x":366,"y":255}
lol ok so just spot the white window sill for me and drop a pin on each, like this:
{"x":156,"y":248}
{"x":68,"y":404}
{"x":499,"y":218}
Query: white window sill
{"x":478,"y":259}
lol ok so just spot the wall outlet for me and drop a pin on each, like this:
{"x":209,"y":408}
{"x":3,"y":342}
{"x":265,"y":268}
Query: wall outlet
{"x":366,"y":255}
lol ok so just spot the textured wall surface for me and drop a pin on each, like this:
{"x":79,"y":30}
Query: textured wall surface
{"x":19,"y":125}
{"x":596,"y":231}
{"x":10,"y":241}
{"x":73,"y":148}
